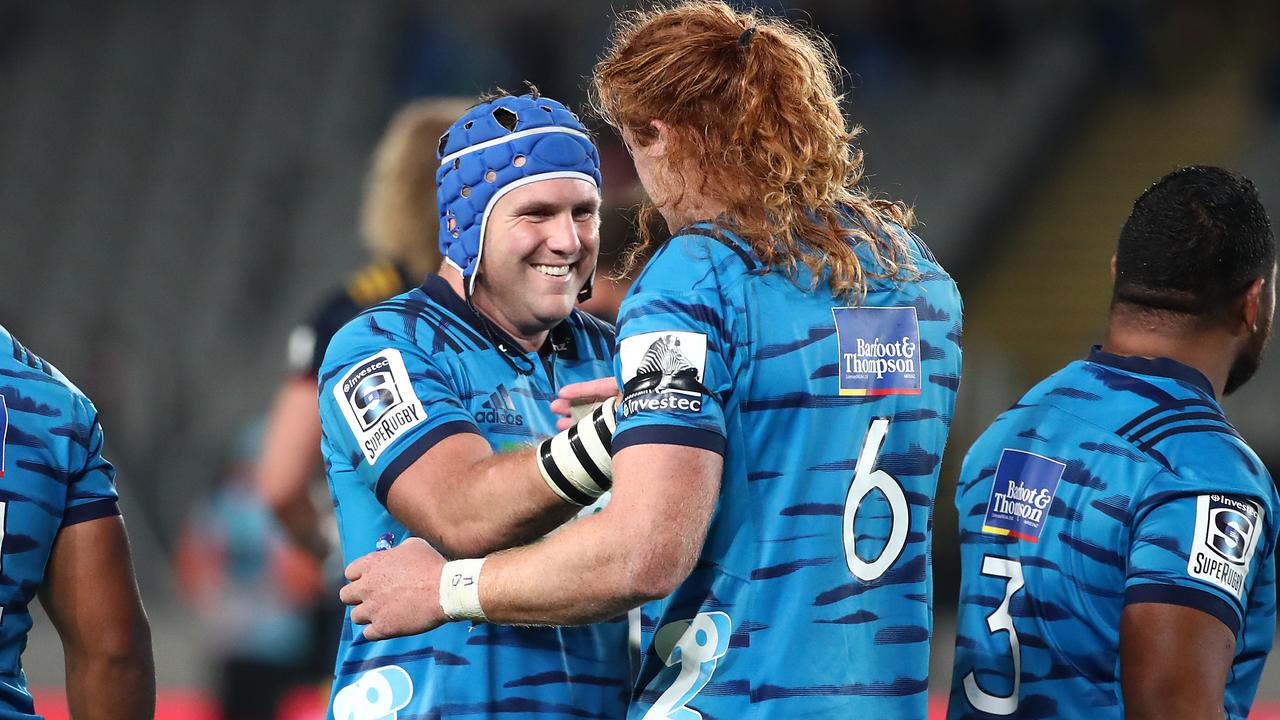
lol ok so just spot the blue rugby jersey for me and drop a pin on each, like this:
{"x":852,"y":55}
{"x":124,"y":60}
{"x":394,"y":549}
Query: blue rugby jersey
{"x":811,"y":597}
{"x":396,"y":380}
{"x":52,"y":475}
{"x":1115,"y":480}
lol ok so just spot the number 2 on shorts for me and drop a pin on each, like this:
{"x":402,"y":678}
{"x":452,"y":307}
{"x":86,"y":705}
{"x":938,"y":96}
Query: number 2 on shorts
{"x":704,"y":641}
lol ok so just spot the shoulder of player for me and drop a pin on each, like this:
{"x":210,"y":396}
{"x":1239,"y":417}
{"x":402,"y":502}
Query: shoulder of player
{"x":590,"y":326}
{"x":411,"y":322}
{"x":697,"y":254}
{"x":32,"y":379}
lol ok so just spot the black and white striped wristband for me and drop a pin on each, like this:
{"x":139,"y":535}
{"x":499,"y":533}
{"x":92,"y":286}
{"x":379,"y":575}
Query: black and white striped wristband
{"x":577,"y":463}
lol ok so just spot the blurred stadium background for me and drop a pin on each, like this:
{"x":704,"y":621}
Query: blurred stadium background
{"x":179,"y":184}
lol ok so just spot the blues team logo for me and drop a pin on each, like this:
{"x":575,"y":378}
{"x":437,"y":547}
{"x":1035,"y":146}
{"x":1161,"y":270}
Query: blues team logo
{"x":879,"y":350}
{"x":379,"y":694}
{"x":664,"y":372}
{"x":1225,"y":537}
{"x":1021,"y":494}
{"x":377,"y":399}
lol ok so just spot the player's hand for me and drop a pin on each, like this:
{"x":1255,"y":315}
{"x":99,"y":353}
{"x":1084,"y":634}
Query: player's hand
{"x":581,"y":394}
{"x":396,"y":592}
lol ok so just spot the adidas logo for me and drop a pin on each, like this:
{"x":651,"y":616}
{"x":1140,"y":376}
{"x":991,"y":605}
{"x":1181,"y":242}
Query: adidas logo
{"x":499,"y":409}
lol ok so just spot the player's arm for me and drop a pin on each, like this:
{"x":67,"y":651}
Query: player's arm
{"x":1195,"y":555}
{"x":424,"y":458}
{"x":468,"y":501}
{"x":92,"y":598}
{"x":639,"y":548}
{"x":1174,"y":662}
{"x":291,"y":460}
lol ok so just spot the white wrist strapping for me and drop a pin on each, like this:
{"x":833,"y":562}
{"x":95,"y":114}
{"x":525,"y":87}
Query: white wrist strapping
{"x":577,"y":463}
{"x":460,"y":589}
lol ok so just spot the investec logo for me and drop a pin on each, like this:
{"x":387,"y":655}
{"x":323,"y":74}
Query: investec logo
{"x":877,"y":357}
{"x":499,"y":409}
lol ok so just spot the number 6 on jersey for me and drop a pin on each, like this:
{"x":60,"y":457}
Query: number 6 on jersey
{"x":864,"y":481}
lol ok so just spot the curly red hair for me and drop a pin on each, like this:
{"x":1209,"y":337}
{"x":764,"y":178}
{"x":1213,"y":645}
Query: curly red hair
{"x":752,"y":106}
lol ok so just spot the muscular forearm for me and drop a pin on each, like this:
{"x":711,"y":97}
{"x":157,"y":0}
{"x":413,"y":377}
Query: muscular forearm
{"x":112,"y":685}
{"x":580,"y":575}
{"x":496,"y":503}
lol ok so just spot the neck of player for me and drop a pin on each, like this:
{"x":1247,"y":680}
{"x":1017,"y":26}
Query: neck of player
{"x":1212,"y":351}
{"x":530,"y":339}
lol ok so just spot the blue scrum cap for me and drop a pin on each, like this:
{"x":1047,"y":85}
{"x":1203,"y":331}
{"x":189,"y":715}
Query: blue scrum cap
{"x":494,"y":148}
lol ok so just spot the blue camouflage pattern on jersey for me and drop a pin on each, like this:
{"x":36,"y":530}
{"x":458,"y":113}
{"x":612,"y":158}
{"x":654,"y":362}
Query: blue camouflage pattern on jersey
{"x":717,"y":352}
{"x":1150,"y":475}
{"x":52,"y":475}
{"x":461,"y":383}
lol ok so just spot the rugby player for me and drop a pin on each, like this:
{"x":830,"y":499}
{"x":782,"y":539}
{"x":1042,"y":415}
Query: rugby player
{"x":1117,"y":534}
{"x":789,"y":361}
{"x":421,"y":395}
{"x":63,"y":539}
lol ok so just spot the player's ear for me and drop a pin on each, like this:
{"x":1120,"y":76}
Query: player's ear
{"x":1113,"y":269}
{"x":658,"y":147}
{"x":1251,"y":305}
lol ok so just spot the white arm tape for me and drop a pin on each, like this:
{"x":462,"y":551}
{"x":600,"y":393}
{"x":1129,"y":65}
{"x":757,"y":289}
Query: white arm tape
{"x":577,"y":464}
{"x":460,"y":590}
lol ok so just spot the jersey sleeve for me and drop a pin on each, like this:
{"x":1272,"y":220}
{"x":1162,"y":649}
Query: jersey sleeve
{"x":91,"y":488}
{"x":676,"y":341}
{"x":384,"y":403}
{"x":1199,"y":548}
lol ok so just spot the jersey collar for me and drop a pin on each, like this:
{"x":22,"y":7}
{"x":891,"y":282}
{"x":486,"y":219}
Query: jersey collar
{"x":1161,"y":367}
{"x":560,"y":340}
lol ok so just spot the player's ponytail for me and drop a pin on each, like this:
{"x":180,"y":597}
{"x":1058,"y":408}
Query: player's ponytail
{"x":753,"y":107}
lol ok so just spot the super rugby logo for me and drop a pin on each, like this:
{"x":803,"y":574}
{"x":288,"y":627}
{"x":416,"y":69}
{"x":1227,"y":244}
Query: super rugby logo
{"x":665,"y":372}
{"x":1226,"y":535}
{"x":371,"y":391}
{"x":378,"y":402}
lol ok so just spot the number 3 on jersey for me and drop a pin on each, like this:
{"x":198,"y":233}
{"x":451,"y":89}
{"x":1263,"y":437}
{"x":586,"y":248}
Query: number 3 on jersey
{"x":696,"y":645}
{"x":1000,"y":621}
{"x":864,"y":481}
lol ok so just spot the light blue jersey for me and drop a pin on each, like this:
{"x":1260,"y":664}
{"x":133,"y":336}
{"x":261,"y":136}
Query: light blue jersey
{"x":811,"y":598}
{"x":52,"y":475}
{"x":396,"y":380}
{"x":1116,"y":480}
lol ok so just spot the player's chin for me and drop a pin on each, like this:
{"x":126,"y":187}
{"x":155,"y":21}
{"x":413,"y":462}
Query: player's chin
{"x":552,"y":308}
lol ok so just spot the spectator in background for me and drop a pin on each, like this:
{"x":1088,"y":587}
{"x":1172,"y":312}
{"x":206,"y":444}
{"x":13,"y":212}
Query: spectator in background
{"x":399,"y":225}
{"x":252,"y":589}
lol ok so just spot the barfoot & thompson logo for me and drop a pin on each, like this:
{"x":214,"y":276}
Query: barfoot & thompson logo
{"x":1021,"y":494}
{"x":879,"y":350}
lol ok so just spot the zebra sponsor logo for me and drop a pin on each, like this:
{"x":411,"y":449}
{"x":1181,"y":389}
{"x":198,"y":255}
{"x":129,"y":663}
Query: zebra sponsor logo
{"x":1225,"y":538}
{"x":664,"y":372}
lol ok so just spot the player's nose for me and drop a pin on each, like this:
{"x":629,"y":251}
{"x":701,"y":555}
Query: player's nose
{"x":563,"y":236}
